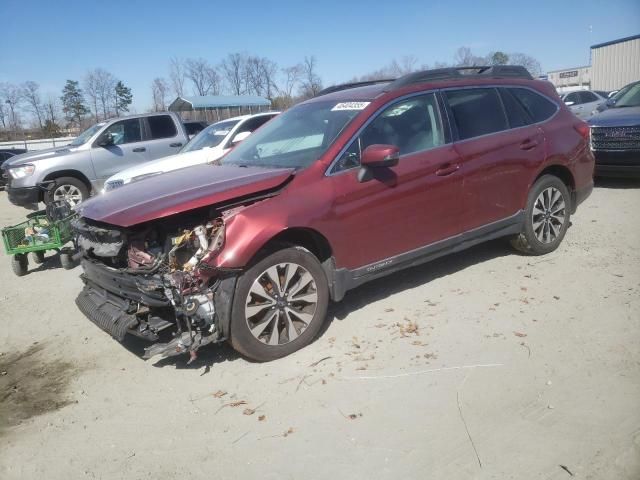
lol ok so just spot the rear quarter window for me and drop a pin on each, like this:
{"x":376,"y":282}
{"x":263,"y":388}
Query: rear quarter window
{"x":161,"y":126}
{"x":537,"y":106}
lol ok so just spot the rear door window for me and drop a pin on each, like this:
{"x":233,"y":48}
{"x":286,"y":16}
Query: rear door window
{"x":588,"y":97}
{"x":537,"y":106}
{"x":476,"y":111}
{"x":161,"y":126}
{"x":516,"y":113}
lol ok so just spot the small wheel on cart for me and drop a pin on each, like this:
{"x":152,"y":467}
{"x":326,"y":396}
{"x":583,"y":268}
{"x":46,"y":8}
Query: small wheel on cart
{"x":66,"y":259}
{"x":20,"y":264}
{"x":37,"y":257}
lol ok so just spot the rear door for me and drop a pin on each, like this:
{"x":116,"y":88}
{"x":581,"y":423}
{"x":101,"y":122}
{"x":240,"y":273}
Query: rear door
{"x":163,"y":136}
{"x":405,"y":207}
{"x":497,"y":153}
{"x":128,"y":148}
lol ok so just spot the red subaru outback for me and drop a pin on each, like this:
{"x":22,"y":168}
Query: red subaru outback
{"x":356,"y":183}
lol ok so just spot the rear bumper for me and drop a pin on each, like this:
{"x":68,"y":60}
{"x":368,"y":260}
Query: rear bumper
{"x":24,"y":196}
{"x":582,"y":194}
{"x":617,"y":163}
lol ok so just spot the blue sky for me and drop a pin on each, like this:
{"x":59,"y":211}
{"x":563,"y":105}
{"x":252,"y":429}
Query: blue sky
{"x":51,"y":41}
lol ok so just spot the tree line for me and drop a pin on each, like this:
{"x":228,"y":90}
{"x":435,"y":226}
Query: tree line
{"x":100,"y":95}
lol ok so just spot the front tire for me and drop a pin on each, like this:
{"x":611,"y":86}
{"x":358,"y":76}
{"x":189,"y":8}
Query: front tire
{"x":547,"y":217}
{"x":69,"y":189}
{"x":280,"y":304}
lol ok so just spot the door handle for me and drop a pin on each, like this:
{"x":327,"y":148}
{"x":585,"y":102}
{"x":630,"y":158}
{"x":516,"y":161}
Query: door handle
{"x":528,"y":144}
{"x":177,"y":144}
{"x":139,"y":149}
{"x":447,"y":169}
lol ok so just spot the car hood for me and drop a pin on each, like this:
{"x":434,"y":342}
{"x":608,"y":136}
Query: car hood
{"x":38,"y":155}
{"x":617,"y":117}
{"x":167,"y":164}
{"x":180,"y":191}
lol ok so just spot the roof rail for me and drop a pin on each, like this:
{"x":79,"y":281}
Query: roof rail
{"x":461,"y":73}
{"x":346,"y":86}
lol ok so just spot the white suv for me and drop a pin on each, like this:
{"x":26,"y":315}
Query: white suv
{"x":209,"y":145}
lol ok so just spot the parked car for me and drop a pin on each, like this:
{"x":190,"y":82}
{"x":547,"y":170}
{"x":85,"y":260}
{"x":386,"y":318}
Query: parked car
{"x":613,"y":98}
{"x":209,"y":145}
{"x":194,"y":127}
{"x":583,"y":102}
{"x":79,"y":169}
{"x":6,"y":154}
{"x":615,"y":135}
{"x":356,"y":183}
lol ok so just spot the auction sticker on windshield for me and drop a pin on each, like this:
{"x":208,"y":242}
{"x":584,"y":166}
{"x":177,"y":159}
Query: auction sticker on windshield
{"x":350,"y":106}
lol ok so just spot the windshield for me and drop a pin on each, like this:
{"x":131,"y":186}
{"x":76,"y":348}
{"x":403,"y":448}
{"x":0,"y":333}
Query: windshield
{"x":297,"y":137}
{"x":211,"y":136}
{"x":86,"y":135}
{"x":630,"y":98}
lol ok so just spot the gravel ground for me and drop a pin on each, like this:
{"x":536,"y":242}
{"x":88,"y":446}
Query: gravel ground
{"x":485,"y":364}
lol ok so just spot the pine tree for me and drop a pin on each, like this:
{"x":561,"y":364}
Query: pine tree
{"x":123,"y":98}
{"x":73,"y":102}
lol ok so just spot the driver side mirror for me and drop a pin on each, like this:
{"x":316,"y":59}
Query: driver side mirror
{"x":569,"y":103}
{"x":105,"y":140}
{"x":380,"y":156}
{"x":376,"y":160}
{"x":240,"y":137}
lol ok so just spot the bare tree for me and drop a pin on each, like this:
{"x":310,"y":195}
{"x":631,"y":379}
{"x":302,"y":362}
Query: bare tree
{"x":526,"y":61}
{"x":91,"y":88}
{"x":292,"y":77}
{"x":311,"y":82}
{"x":177,"y":75}
{"x":31,"y":95}
{"x":204,"y":77}
{"x":51,"y":109}
{"x":159,"y":90}
{"x":465,"y":58}
{"x":11,"y":95}
{"x":106,"y":86}
{"x":3,"y":115}
{"x":233,"y":68}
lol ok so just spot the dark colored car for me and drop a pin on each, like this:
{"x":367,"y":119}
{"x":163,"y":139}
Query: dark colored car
{"x":611,"y":101}
{"x":6,"y":154}
{"x":615,"y":135}
{"x":194,"y":127}
{"x":356,"y":183}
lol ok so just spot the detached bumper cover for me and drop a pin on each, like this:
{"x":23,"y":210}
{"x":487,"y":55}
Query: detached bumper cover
{"x":106,"y":310}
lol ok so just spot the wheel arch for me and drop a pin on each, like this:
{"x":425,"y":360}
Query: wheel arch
{"x":564,"y":174}
{"x":67,"y":173}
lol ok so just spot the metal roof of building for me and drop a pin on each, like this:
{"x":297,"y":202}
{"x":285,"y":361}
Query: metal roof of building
{"x":182,"y":104}
{"x":612,"y":42}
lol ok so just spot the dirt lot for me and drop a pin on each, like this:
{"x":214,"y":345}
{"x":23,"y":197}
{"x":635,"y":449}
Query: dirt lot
{"x":486,"y":364}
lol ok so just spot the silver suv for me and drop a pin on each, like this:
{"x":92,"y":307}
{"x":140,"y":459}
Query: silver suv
{"x":77,"y":170}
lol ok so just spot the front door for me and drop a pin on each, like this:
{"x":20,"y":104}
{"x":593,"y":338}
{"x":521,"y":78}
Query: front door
{"x":126,"y":149}
{"x":402,"y":208}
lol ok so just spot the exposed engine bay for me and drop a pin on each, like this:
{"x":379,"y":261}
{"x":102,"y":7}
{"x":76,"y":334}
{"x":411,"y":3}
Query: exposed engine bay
{"x":154,"y":278}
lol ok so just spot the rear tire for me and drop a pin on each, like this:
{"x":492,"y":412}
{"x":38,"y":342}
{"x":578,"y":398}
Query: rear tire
{"x":20,"y":264}
{"x":70,"y":189}
{"x":37,"y":257}
{"x":272,"y":319}
{"x":547,"y":217}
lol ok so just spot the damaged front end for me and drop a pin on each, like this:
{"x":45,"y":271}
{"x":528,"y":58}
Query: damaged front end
{"x":155,"y":281}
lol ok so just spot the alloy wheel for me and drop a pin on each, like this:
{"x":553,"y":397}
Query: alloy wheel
{"x":68,"y":193}
{"x":281,"y":304}
{"x":548,"y":215}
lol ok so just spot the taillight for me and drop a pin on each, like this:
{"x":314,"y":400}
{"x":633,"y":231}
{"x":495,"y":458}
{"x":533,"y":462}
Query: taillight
{"x":583,"y":129}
